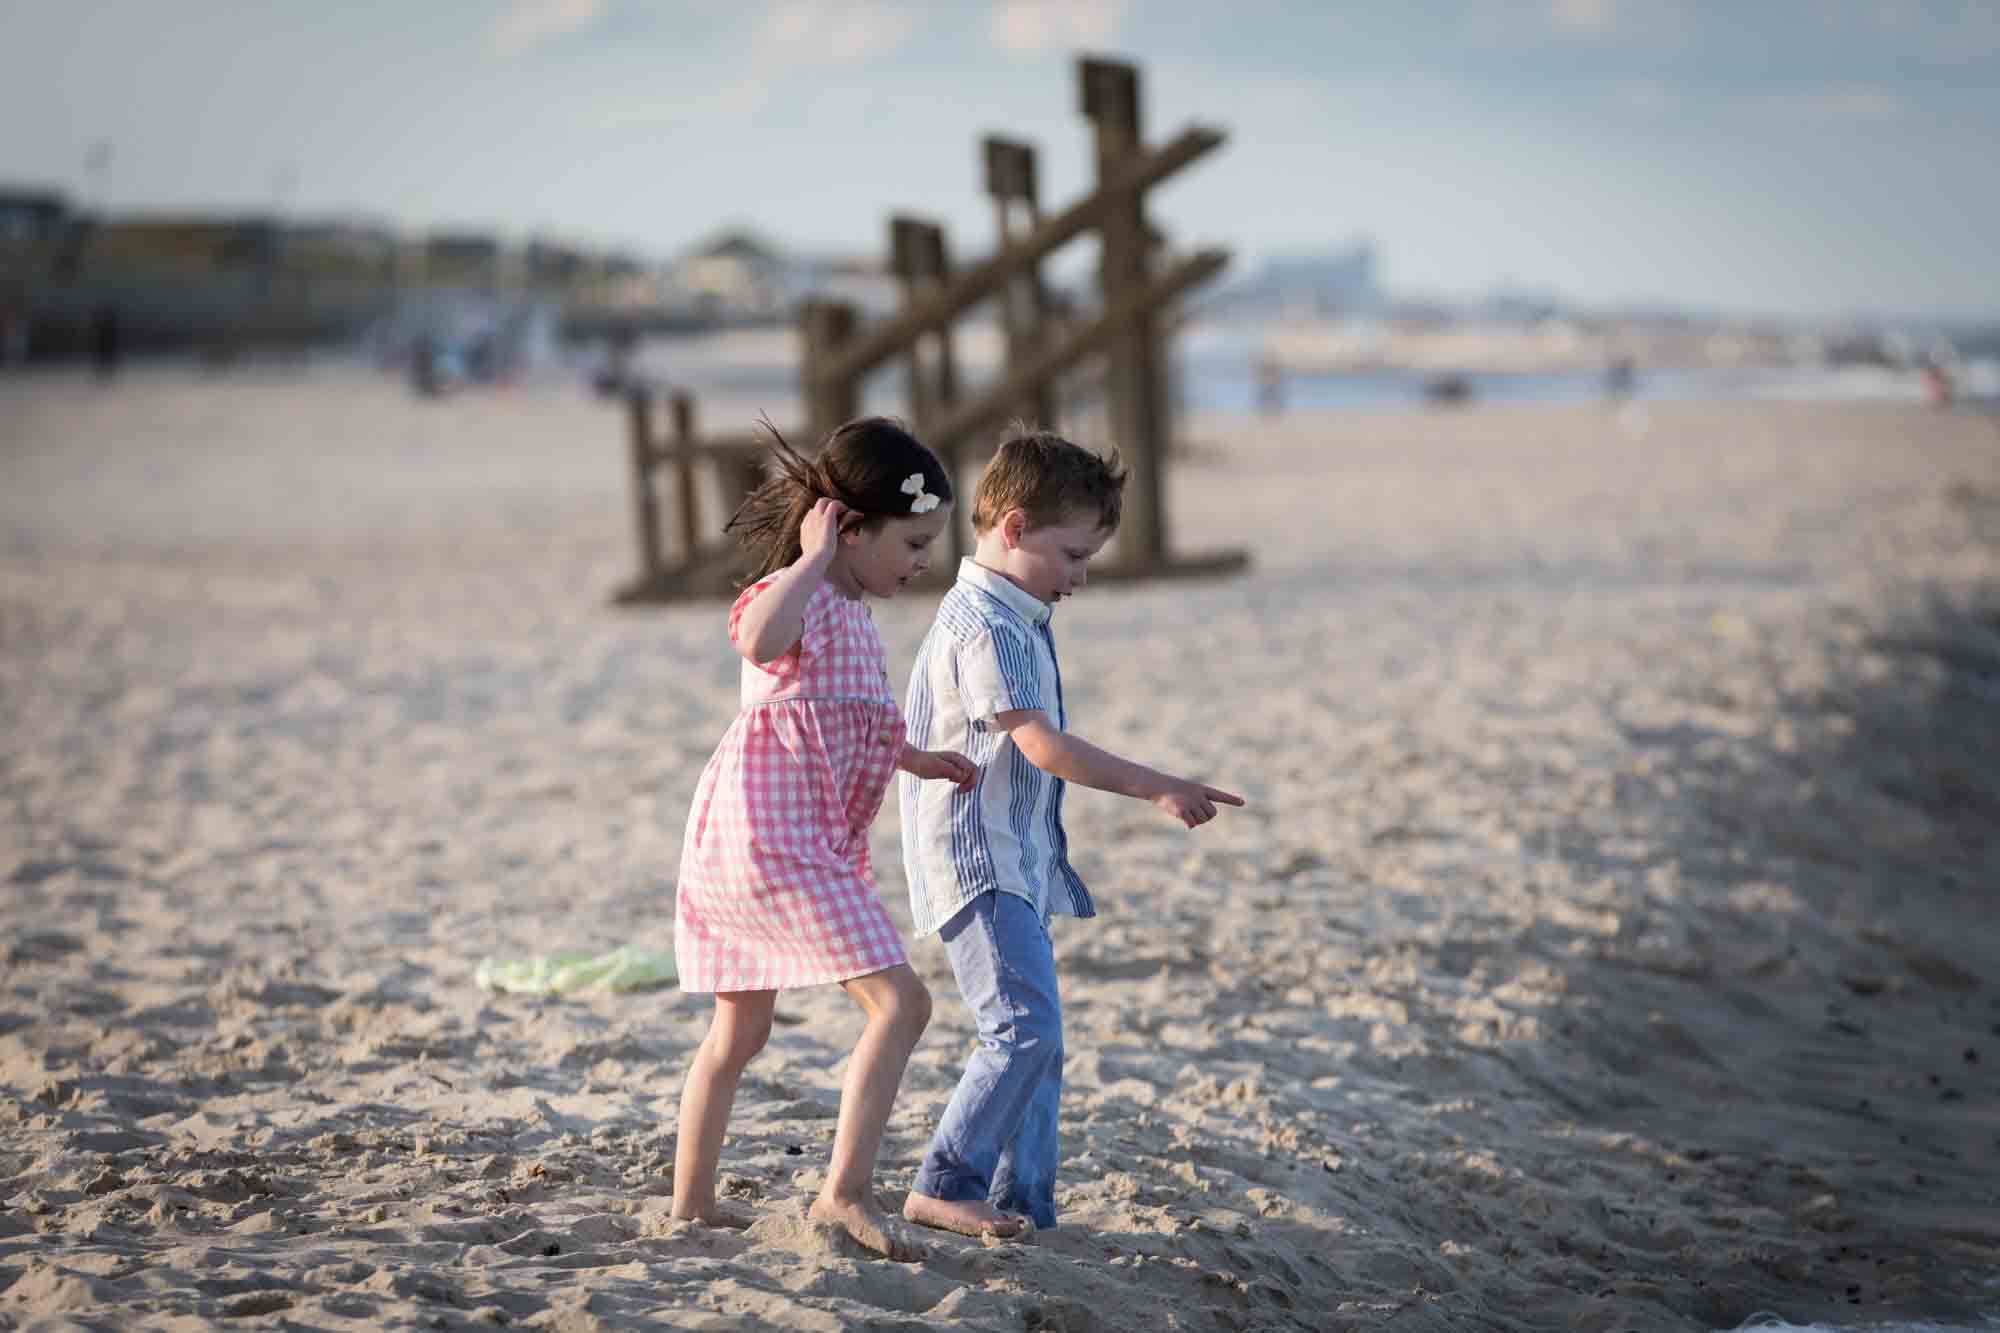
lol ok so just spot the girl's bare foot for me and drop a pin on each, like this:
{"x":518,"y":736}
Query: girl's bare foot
{"x":870,"y":1226}
{"x":968,"y":1217}
{"x":717,"y":1215}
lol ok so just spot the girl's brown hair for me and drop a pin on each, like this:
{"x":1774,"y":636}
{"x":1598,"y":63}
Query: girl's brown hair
{"x":863,"y":464}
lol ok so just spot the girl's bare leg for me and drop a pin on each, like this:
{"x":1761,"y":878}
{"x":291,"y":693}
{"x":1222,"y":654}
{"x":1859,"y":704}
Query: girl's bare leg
{"x":899,"y":1008}
{"x":741,"y":1025}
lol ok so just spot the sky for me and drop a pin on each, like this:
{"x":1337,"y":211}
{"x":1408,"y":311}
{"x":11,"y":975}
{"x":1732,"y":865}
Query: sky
{"x":1781,"y":157}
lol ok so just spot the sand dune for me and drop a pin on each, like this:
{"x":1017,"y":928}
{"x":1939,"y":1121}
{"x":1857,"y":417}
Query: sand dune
{"x":1606,"y":945}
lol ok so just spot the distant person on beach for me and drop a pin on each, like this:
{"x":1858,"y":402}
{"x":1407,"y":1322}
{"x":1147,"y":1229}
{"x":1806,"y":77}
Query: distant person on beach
{"x":776,"y":890}
{"x":988,"y":862}
{"x":106,"y":340}
{"x":1937,"y":384}
{"x":1270,"y":386}
{"x":13,"y":326}
{"x":427,"y":365}
{"x":1621,"y":375}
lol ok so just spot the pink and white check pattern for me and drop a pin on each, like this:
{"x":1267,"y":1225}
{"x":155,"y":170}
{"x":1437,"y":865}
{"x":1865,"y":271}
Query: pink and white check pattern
{"x":776,"y":888}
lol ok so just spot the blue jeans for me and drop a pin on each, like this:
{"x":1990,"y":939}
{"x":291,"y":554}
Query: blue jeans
{"x":997,"y":1140}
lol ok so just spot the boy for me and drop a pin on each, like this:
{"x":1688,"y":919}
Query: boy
{"x":989,"y":866}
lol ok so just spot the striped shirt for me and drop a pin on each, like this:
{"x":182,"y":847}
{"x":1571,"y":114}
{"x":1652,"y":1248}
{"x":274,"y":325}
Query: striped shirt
{"x":988,"y":652}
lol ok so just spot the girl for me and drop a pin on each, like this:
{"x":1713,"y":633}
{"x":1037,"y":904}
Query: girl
{"x":776,"y":889}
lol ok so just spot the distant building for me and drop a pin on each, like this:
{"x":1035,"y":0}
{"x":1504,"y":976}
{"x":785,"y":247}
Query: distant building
{"x":1319,"y":284}
{"x":462,"y":257}
{"x":31,"y":217}
{"x":554,"y":265}
{"x":174,"y":243}
{"x":737,"y":272}
{"x":1517,"y":306}
{"x":348,"y":249}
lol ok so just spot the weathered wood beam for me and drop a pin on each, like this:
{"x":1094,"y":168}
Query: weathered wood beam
{"x":870,"y":347}
{"x":1005,"y":396}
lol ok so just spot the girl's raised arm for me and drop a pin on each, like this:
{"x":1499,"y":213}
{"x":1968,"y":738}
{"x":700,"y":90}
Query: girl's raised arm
{"x":770,"y":626}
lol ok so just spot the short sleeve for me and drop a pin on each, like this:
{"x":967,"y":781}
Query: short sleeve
{"x":743,"y":600}
{"x":815,"y":632}
{"x":997,"y":674}
{"x":818,"y":627}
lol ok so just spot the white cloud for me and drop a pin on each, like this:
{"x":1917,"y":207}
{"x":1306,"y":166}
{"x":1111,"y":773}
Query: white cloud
{"x":832,"y":32}
{"x":1838,"y":104}
{"x":1026,"y":26}
{"x":528,"y":23}
{"x":1588,"y":18}
{"x":1592,"y":21}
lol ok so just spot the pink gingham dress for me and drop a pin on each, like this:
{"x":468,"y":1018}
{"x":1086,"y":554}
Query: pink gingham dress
{"x":776,"y":888}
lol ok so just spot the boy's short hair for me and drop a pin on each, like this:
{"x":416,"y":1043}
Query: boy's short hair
{"x":1050,"y":479}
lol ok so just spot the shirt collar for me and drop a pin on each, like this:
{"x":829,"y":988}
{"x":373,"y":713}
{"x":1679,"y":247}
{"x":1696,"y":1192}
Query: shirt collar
{"x":1002,"y":590}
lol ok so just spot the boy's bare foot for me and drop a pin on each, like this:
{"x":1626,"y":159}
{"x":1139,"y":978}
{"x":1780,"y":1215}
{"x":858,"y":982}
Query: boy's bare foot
{"x":870,"y":1226}
{"x":718,"y":1215}
{"x":968,"y":1217}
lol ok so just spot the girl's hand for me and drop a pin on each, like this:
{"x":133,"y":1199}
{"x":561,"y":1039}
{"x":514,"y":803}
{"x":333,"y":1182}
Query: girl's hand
{"x":1193,"y":803}
{"x":819,"y":535}
{"x":945,"y":766}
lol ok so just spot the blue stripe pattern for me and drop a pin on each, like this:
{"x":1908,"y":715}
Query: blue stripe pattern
{"x":988,"y":651}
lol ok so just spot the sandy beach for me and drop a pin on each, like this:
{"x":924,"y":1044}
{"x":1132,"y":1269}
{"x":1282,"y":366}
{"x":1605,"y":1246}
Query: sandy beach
{"x":1608,"y":943}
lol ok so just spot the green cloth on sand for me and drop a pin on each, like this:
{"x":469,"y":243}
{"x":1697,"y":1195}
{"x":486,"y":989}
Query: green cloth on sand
{"x":624,"y":968}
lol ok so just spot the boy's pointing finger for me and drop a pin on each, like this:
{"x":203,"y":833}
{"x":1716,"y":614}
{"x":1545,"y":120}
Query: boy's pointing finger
{"x":1227,"y":798}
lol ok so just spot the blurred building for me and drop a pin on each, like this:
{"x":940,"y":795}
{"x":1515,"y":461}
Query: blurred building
{"x":736,"y":273}
{"x":222,"y":284}
{"x":1330,"y":284}
{"x":35,"y":228}
{"x":30,"y":217}
{"x":470,"y":259}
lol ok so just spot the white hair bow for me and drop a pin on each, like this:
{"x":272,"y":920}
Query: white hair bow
{"x":925,"y":501}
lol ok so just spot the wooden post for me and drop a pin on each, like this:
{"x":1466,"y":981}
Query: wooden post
{"x":829,"y":400}
{"x":652,"y":562}
{"x":904,"y":243}
{"x":919,"y":257}
{"x":1085,"y":338}
{"x":933,"y":270}
{"x":1024,"y":304}
{"x":684,"y":451}
{"x":1111,"y":101}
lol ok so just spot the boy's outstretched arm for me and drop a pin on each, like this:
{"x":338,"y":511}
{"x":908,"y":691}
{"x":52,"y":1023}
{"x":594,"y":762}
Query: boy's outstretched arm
{"x":1074,"y":759}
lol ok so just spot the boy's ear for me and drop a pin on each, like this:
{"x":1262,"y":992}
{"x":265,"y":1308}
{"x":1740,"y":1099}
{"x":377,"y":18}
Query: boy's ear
{"x":1013,"y":524}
